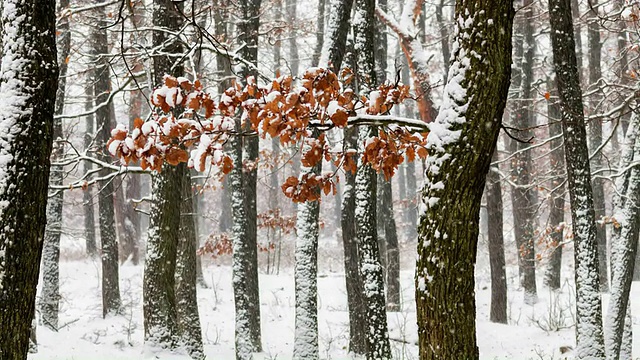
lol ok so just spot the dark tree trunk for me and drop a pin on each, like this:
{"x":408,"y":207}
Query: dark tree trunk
{"x":371,"y":272}
{"x":160,"y":317}
{"x":188,"y":320}
{"x":589,"y":335}
{"x":292,"y":18}
{"x":51,"y":253}
{"x":87,"y":195}
{"x":556,"y":213}
{"x":26,"y":123}
{"x":159,"y":307}
{"x":459,"y":158}
{"x":493,"y":190}
{"x":109,"y":246}
{"x":338,"y":29}
{"x":595,"y":140}
{"x":248,"y":35}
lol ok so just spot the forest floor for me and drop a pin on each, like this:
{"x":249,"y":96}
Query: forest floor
{"x":534,"y":332}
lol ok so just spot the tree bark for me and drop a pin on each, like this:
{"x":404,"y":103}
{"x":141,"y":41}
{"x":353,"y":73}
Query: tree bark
{"x":523,"y":194}
{"x":498,"y":313}
{"x":306,"y":274}
{"x":625,"y":241}
{"x":371,"y":272}
{"x":188,"y":318}
{"x":87,"y":195}
{"x":50,"y":297}
{"x":159,"y":284}
{"x":248,"y":36}
{"x":595,"y":140}
{"x":26,"y":134}
{"x":556,"y":213}
{"x":461,"y":144}
{"x":589,"y":335}
{"x":109,"y":246}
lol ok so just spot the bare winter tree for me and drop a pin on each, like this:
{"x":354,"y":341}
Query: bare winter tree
{"x":590,"y":342}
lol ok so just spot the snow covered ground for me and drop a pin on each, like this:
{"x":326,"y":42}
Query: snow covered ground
{"x":85,"y":335}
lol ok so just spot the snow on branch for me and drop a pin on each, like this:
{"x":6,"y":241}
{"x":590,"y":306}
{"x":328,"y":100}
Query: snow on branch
{"x":190,"y":125}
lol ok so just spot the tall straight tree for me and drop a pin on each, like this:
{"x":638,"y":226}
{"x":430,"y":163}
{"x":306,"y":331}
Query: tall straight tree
{"x":332,"y":56}
{"x":102,"y":88}
{"x":388,"y":234}
{"x":589,"y":335}
{"x":51,"y":252}
{"x":556,"y":213}
{"x":87,"y":195}
{"x":495,"y":233}
{"x":243,"y":183}
{"x":159,"y":307}
{"x":461,"y":144}
{"x":27,"y":88}
{"x":624,"y":245}
{"x":523,"y":194}
{"x":371,"y":272}
{"x":595,"y":138}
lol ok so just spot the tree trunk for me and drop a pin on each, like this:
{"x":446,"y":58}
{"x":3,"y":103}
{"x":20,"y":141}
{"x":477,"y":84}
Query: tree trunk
{"x":160,"y":318}
{"x":523,"y":194}
{"x":625,"y":241}
{"x":590,"y":343}
{"x":306,"y":274}
{"x":595,"y":140}
{"x":292,"y":16}
{"x":26,"y":134}
{"x":377,"y":336}
{"x":159,"y":307}
{"x":459,"y":157}
{"x":188,"y":319}
{"x":109,"y":246}
{"x":319,"y":32}
{"x":87,"y":195}
{"x":249,"y":29}
{"x":444,"y":37}
{"x":51,"y":252}
{"x":493,"y":190}
{"x":556,"y":213}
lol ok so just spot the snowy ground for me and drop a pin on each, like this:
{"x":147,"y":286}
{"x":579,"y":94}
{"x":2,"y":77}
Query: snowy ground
{"x":85,"y":335}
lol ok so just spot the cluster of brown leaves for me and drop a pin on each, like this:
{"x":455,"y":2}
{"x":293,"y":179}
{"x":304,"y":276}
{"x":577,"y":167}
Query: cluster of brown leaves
{"x":216,"y":245}
{"x":274,"y":219}
{"x":188,"y":125}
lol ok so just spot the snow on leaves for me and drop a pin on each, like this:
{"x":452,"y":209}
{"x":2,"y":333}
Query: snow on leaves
{"x":189,"y":125}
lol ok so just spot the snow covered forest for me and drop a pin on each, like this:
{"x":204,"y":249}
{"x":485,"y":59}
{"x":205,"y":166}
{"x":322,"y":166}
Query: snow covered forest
{"x":320,"y":179}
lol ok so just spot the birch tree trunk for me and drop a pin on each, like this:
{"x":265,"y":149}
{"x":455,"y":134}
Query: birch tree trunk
{"x":461,"y":143}
{"x":590,"y":342}
{"x":26,"y":134}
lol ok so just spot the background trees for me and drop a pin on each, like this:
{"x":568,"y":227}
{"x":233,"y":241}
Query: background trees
{"x":109,"y":81}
